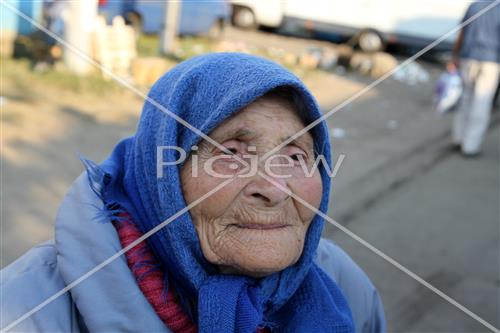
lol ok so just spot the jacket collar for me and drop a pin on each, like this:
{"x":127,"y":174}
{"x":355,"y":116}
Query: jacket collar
{"x":108,"y":300}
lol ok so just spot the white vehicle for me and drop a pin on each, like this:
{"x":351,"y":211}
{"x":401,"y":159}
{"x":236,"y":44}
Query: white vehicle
{"x":375,"y":22}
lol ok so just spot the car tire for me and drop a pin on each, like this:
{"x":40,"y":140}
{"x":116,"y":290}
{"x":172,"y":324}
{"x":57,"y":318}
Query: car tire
{"x":244,"y":17}
{"x":370,"y":40}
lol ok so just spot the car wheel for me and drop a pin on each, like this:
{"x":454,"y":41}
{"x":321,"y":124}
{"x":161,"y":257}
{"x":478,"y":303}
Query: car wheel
{"x":244,"y":17}
{"x":370,"y":41}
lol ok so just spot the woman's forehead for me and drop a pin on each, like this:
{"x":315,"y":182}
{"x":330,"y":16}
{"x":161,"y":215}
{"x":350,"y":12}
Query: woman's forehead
{"x":271,"y":117}
{"x":264,"y":113}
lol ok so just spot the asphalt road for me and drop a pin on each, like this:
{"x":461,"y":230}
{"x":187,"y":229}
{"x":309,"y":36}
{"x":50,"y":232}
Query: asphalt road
{"x":404,"y":191}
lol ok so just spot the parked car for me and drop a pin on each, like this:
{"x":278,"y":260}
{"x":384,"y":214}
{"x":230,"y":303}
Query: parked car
{"x":373,"y":22}
{"x":196,"y":17}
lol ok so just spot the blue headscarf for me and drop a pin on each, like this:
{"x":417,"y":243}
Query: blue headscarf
{"x":205,"y":91}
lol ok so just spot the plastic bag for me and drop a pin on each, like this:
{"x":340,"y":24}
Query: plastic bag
{"x":447,"y":92}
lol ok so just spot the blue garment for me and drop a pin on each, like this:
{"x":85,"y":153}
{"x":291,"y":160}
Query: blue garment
{"x":110,"y":300}
{"x":205,"y":91}
{"x":481,"y":38}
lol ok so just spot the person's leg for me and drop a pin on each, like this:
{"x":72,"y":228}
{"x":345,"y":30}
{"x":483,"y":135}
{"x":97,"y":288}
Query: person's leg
{"x":479,"y":115}
{"x":468,"y":71}
{"x":496,"y":99}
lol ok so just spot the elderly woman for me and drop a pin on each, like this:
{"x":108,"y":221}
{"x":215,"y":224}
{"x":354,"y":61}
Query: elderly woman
{"x":245,"y":257}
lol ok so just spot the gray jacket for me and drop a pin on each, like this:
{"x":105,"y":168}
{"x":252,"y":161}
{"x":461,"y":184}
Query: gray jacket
{"x":110,"y":300}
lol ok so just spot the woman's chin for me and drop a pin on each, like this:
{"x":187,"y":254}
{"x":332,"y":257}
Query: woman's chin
{"x":262,"y":252}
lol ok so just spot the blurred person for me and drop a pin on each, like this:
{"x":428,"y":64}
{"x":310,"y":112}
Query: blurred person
{"x":45,"y":50}
{"x":250,"y":258}
{"x":477,"y":54}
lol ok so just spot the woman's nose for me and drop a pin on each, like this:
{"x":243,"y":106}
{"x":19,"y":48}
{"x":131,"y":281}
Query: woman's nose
{"x":261,"y":191}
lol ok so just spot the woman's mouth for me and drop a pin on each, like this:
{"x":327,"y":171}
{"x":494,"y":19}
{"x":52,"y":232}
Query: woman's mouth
{"x":260,"y":226}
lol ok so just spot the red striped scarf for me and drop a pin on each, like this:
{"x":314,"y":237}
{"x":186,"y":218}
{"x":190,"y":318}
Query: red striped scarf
{"x":150,"y":279}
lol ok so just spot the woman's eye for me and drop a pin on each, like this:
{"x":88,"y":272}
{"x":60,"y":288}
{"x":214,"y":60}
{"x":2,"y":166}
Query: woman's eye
{"x":297,"y":157}
{"x":233,"y":151}
{"x":233,"y":147}
{"x":296,"y":154}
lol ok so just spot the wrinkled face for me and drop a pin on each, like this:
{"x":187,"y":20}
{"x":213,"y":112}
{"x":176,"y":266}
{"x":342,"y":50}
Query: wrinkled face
{"x":250,"y":226}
